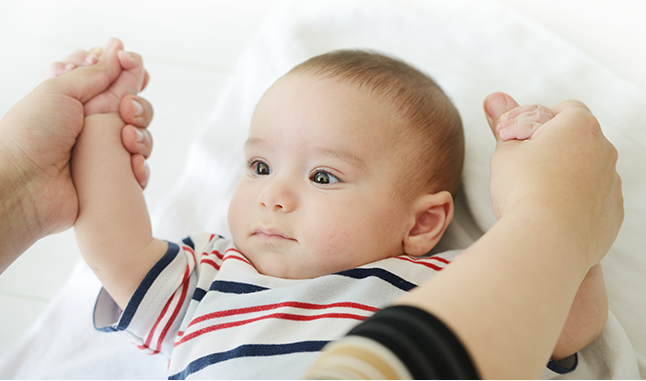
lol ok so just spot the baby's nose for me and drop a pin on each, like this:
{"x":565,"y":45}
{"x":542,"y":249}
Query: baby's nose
{"x":278,"y":196}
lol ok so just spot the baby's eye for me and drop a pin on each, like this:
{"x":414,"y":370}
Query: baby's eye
{"x":260,"y":168}
{"x":324,"y":178}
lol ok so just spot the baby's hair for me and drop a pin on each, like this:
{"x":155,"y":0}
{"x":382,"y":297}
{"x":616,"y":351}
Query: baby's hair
{"x":432,"y":120}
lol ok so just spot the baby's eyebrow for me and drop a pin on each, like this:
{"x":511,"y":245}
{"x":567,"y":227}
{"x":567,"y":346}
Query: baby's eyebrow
{"x":346,"y":156}
{"x":253,"y":141}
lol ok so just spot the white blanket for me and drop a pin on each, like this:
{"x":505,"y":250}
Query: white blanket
{"x":472,"y":48}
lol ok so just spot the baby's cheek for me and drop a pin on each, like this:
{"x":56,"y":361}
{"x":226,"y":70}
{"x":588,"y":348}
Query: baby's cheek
{"x":235,"y":216}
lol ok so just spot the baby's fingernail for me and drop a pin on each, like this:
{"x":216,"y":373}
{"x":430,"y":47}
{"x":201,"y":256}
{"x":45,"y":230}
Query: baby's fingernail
{"x":502,"y":133}
{"x":140,"y":135}
{"x":70,"y":66}
{"x":137,"y":107}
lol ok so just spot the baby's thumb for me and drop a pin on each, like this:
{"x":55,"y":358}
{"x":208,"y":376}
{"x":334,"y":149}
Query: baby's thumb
{"x":495,"y":105}
{"x":84,"y":83}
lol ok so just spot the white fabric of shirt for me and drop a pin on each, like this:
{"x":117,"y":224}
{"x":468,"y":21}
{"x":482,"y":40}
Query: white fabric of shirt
{"x":206,"y":308}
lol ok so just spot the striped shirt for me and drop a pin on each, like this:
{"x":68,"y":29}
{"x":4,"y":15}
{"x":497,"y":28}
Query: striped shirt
{"x":207,"y":309}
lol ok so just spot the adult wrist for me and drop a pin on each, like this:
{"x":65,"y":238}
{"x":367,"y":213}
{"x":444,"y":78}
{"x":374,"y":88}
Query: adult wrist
{"x":19,"y":226}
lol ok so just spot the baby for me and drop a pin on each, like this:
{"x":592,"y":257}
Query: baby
{"x":353,"y":160}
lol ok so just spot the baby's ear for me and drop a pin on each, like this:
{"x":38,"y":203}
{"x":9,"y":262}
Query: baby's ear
{"x":433,"y":213}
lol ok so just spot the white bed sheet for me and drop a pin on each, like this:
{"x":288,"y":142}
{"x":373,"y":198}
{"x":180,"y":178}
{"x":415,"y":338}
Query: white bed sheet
{"x":472,"y":48}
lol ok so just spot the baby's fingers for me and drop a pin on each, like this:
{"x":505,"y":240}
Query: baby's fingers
{"x":525,"y":111}
{"x":521,"y":122}
{"x":519,"y":131}
{"x":74,"y":60}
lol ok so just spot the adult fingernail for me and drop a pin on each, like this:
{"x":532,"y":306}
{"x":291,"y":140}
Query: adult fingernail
{"x":140,"y":136}
{"x":146,"y":168}
{"x":138,"y":108}
{"x":496,"y":105}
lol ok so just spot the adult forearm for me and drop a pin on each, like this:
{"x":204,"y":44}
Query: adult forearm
{"x":509,"y":319}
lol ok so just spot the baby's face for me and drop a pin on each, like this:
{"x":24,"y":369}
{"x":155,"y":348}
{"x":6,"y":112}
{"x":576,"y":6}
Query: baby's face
{"x":319,"y":194}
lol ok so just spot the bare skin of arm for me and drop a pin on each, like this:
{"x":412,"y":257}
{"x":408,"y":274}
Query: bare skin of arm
{"x":113,"y":228}
{"x":589,"y":312}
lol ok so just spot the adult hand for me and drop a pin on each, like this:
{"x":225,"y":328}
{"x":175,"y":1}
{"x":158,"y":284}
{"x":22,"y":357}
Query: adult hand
{"x":135,"y":111}
{"x":37,"y":194}
{"x":568,"y":171}
{"x":558,"y":199}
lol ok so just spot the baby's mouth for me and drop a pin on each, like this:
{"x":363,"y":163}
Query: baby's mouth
{"x":271,"y":235}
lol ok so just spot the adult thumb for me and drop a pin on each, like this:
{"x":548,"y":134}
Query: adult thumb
{"x":495,"y":105}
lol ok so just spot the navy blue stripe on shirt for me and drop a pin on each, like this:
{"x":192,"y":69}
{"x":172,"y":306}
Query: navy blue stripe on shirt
{"x":229,"y":287}
{"x":387,"y":276}
{"x":189,"y":242}
{"x":249,"y":350}
{"x":198,"y":294}
{"x":145,"y":284}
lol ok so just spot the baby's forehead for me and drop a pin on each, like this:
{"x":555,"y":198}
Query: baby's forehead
{"x":332,"y":104}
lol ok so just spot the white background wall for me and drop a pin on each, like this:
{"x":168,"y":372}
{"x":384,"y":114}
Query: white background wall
{"x":189,"y":50}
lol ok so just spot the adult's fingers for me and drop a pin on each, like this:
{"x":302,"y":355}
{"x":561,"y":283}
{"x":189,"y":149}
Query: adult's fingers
{"x":136,"y":110}
{"x":146,"y":79}
{"x":140,"y":170}
{"x":569,"y":105}
{"x":137,"y":140}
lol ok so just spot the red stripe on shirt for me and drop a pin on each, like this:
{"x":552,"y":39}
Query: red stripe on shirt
{"x":178,"y":307}
{"x":152,"y":330}
{"x":281,"y":316}
{"x":188,"y":248}
{"x":267,"y":307}
{"x":210,"y":262}
{"x":429,"y":265}
{"x":440,"y":259}
{"x":242,"y":259}
{"x":216,"y":253}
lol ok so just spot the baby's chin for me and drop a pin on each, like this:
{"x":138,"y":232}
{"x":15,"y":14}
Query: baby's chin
{"x":291,"y":270}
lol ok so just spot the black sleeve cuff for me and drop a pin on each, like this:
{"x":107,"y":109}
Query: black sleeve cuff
{"x":564,"y":366}
{"x":425,"y":345}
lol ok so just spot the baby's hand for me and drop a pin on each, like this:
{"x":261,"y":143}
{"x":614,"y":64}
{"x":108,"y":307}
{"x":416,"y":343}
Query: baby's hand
{"x":523,"y":122}
{"x":74,"y":60}
{"x":133,"y":77}
{"x":132,"y":80}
